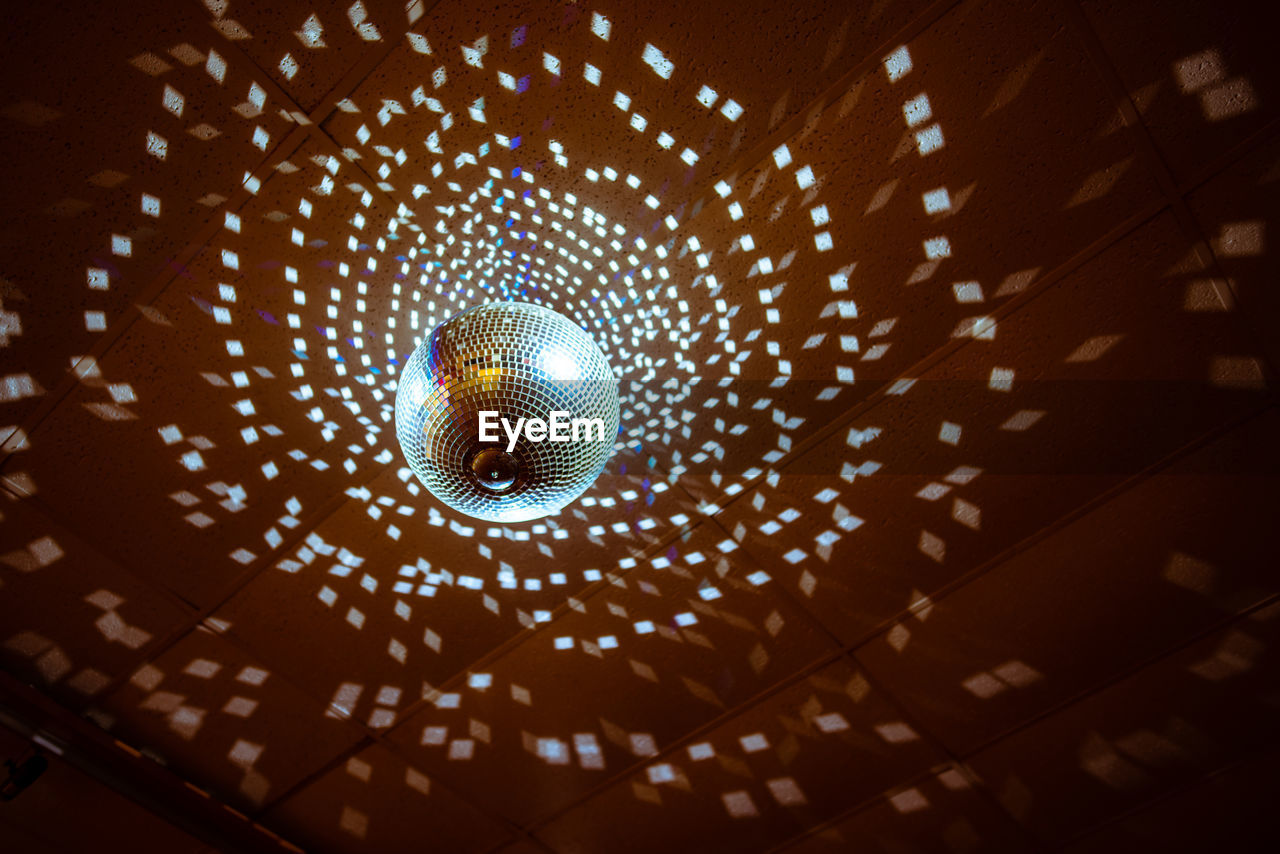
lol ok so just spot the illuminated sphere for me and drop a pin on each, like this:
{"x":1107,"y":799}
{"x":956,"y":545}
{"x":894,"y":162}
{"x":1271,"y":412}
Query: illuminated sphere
{"x":521,"y":361}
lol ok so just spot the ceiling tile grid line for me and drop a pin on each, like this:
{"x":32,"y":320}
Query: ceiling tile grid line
{"x":834,"y":822}
{"x":1177,"y":199}
{"x":369,"y":737}
{"x":1231,"y":156}
{"x":350,"y":82}
{"x":904,"y":787}
{"x":100,"y":757}
{"x":621,"y":774}
{"x":1124,"y":103}
{"x":373,"y":737}
{"x":11,"y":493}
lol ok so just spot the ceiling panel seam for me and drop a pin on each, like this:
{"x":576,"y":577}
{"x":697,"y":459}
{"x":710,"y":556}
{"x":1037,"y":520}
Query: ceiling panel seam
{"x":1159,"y":168}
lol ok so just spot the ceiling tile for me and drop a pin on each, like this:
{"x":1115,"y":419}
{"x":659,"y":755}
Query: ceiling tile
{"x":1202,"y":708}
{"x":225,"y":721}
{"x":1227,"y":810}
{"x":205,"y":488}
{"x":1237,"y":210}
{"x":104,"y":618}
{"x":373,"y":801}
{"x":113,"y":167}
{"x":941,"y":812}
{"x":308,"y":48}
{"x":1202,"y":79}
{"x":797,"y":758}
{"x":39,"y":820}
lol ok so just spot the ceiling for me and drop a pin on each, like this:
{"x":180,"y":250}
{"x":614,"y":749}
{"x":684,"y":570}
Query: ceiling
{"x":943,"y":509}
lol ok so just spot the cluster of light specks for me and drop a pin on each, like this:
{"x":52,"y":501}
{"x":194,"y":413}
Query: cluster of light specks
{"x":1205,"y":77}
{"x":492,"y":223}
{"x":436,"y":227}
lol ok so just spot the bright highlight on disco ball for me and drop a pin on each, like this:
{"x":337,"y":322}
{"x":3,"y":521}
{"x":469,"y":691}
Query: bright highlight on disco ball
{"x":507,"y":412}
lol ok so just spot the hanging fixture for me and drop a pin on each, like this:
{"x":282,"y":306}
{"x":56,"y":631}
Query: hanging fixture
{"x":507,"y":412}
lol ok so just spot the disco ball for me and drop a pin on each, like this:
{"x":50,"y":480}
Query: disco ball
{"x":507,"y":412}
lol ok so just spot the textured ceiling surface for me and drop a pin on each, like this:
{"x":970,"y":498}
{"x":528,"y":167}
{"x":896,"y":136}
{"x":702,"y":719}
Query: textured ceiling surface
{"x":940,"y":517}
